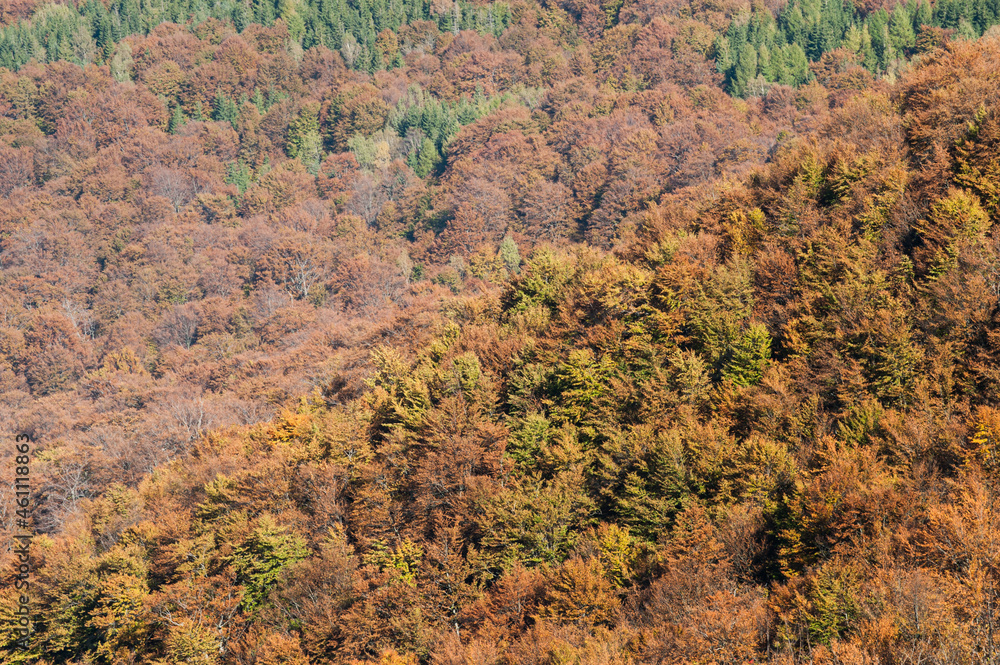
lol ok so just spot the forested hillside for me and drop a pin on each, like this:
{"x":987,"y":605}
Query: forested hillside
{"x":583,"y":332}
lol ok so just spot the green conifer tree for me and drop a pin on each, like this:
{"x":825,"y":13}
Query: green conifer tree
{"x":425,"y":158}
{"x":177,"y":120}
{"x":304,"y":139}
{"x":744,"y":70}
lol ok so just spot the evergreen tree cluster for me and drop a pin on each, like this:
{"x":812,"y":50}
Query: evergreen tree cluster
{"x":761,"y":47}
{"x":89,"y":32}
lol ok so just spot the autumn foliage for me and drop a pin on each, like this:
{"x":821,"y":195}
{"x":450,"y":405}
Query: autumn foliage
{"x":513,"y":333}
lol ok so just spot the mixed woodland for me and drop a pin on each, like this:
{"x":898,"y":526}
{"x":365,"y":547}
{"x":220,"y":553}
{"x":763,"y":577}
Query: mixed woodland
{"x":596,"y":332}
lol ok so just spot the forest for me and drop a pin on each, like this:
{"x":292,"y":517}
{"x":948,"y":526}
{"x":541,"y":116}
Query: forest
{"x":527,"y":332}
